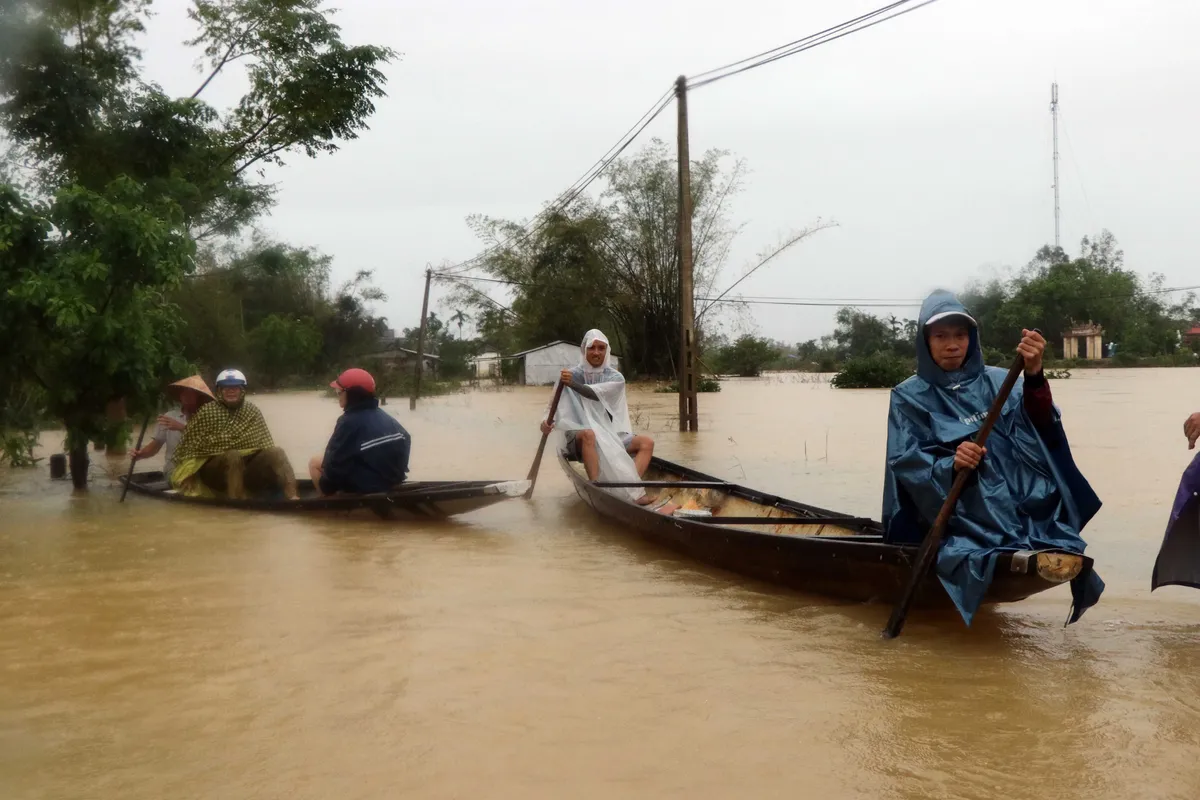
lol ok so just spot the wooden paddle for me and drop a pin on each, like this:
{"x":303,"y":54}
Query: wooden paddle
{"x":933,"y":539}
{"x":537,"y":460}
{"x":133,"y":458}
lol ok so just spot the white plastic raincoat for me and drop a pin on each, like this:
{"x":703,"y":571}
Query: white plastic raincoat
{"x":607,"y":416}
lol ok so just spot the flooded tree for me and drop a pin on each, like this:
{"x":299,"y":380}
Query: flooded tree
{"x":120,"y":179}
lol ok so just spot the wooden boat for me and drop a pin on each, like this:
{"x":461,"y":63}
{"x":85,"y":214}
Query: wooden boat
{"x":417,"y":500}
{"x":795,"y":545}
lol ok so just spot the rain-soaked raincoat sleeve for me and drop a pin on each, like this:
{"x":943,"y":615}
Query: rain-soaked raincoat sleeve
{"x":925,"y":468}
{"x":1178,"y":562}
{"x":576,"y":412}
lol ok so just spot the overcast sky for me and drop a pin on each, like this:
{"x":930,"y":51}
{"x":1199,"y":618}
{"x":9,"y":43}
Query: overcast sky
{"x":927,"y":138}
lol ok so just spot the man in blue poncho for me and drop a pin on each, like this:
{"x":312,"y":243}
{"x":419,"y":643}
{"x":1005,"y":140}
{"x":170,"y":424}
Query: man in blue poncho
{"x":1026,"y":494}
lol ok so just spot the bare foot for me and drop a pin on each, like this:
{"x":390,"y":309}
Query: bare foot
{"x":668,"y":509}
{"x":646,"y":499}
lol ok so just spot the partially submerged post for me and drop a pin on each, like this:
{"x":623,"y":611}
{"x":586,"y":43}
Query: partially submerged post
{"x":688,"y":418}
{"x":416,"y":392}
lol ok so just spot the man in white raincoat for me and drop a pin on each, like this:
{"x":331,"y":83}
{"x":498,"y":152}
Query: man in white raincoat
{"x":594,"y":418}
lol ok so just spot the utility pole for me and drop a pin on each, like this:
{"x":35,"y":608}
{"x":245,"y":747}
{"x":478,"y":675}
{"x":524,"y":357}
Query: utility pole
{"x":412,"y":401}
{"x":688,"y":419}
{"x":1054,"y":117}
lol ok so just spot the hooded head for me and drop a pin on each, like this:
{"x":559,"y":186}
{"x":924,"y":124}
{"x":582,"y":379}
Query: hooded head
{"x":946,"y":333}
{"x":594,"y":352}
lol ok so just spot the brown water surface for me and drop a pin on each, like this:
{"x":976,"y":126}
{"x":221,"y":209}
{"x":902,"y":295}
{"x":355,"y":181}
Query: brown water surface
{"x":532,"y":650}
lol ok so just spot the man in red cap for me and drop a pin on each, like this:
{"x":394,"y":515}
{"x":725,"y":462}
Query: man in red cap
{"x":368,"y":452}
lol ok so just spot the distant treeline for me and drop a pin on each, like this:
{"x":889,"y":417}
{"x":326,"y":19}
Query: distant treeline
{"x":1052,"y":293}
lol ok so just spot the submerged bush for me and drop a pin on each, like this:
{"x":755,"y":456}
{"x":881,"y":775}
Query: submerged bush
{"x":876,"y":371}
{"x":706,"y":383}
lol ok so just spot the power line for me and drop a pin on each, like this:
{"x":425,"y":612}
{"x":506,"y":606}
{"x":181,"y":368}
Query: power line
{"x":462,"y":282}
{"x":808,"y":38}
{"x":815,"y":302}
{"x":539,"y":222}
{"x":833,"y":303}
{"x":573,"y":191}
{"x":1078,"y":172}
{"x":859,"y":23}
{"x":753,"y":299}
{"x":855,"y":25}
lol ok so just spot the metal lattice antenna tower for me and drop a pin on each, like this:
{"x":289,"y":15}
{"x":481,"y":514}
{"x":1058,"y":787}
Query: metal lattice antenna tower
{"x":1054,"y":117}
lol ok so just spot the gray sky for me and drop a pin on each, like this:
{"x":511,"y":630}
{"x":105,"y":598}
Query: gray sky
{"x":927,"y":139}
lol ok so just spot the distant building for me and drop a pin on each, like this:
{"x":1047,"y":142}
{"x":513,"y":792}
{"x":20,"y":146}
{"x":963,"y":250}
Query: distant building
{"x":1192,"y":334}
{"x":388,"y":350}
{"x":1083,"y":342}
{"x":540,"y":366}
{"x":485,"y":365}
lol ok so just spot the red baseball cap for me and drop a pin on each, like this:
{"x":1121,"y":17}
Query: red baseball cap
{"x":355,"y":378}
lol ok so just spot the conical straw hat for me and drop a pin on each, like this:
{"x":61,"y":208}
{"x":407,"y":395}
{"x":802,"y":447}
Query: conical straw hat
{"x":195,"y":383}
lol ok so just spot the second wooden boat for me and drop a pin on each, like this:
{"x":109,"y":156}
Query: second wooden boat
{"x":409,"y":501}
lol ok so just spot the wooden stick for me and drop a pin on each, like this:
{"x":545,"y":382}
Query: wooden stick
{"x":133,"y":458}
{"x":933,"y":539}
{"x":537,"y":460}
{"x":850,"y":521}
{"x":663,"y":485}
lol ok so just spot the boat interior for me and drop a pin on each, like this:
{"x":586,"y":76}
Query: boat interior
{"x":681,"y":493}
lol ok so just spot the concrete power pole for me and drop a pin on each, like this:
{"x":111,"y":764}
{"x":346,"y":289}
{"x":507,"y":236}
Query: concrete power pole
{"x":416,"y":392}
{"x":688,"y":417}
{"x":1054,"y":118}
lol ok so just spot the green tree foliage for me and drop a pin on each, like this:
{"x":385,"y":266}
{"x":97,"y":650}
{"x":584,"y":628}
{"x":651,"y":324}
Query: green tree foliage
{"x":453,"y":353}
{"x":1054,"y":292}
{"x":458,"y":318}
{"x":348,"y":328}
{"x":880,"y":370}
{"x":859,"y":333}
{"x":235,"y":292}
{"x":124,"y":176}
{"x":818,"y":355}
{"x":283,"y":347}
{"x":875,"y":352}
{"x":612,"y":263}
{"x":747,"y":356}
{"x":72,"y":99}
{"x":84,"y":311}
{"x":21,"y":416}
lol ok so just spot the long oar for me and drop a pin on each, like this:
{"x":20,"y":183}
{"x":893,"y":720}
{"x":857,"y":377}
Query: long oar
{"x":133,"y":458}
{"x":933,"y":539}
{"x":537,"y":460}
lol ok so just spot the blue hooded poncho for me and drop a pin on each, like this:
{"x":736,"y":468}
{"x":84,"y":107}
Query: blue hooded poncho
{"x":1026,"y":495}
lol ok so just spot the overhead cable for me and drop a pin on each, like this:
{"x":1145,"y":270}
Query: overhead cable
{"x":855,"y":25}
{"x":572,"y":192}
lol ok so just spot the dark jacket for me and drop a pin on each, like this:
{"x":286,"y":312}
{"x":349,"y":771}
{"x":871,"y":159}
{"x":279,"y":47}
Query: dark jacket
{"x":368,"y":451}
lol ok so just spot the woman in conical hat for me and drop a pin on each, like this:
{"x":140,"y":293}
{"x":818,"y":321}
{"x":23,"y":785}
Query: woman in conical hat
{"x":191,"y":392}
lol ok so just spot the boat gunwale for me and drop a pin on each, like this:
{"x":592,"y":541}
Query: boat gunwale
{"x":409,"y":497}
{"x":885,"y":552}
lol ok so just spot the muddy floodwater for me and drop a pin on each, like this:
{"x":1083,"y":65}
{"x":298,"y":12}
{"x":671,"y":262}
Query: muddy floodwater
{"x":530,"y":650}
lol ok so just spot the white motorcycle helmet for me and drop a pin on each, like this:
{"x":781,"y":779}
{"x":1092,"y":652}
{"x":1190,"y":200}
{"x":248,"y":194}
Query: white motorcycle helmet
{"x":231,"y":377}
